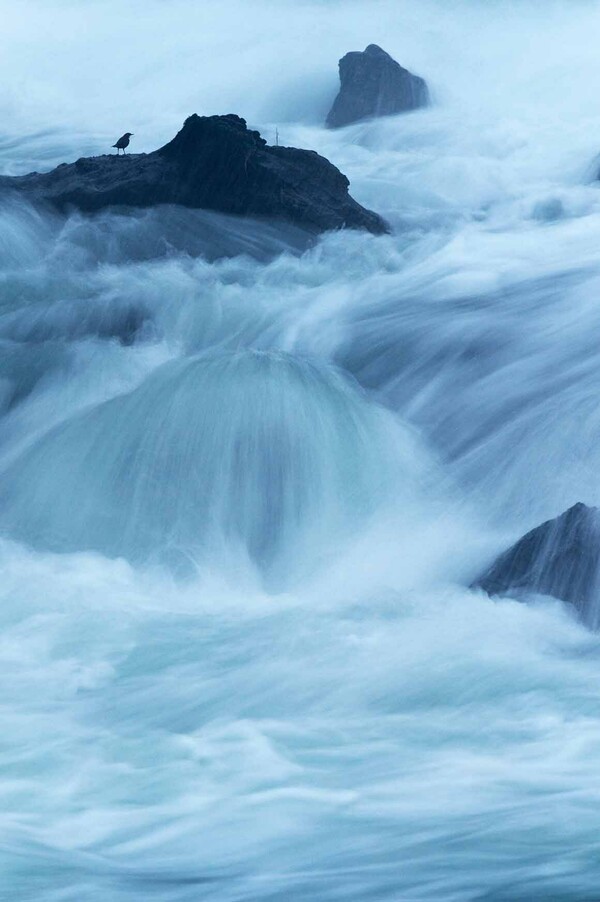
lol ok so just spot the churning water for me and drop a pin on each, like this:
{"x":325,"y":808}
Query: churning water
{"x":244,"y":483}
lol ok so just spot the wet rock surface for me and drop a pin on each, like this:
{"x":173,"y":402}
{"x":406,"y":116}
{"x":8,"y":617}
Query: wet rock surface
{"x":372,"y":84}
{"x":214,"y":163}
{"x":558,"y":558}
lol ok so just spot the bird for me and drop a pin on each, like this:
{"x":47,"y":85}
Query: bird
{"x":123,"y":142}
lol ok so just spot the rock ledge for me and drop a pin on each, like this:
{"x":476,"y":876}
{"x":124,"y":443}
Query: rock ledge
{"x":213,"y":163}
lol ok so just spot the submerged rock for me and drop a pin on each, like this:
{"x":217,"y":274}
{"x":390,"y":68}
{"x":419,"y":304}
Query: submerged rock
{"x":252,"y":453}
{"x":213,"y":163}
{"x":558,"y":558}
{"x":374,"y":84}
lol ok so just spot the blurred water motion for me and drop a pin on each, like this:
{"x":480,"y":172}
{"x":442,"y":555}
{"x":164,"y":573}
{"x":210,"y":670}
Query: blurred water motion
{"x":245,"y":478}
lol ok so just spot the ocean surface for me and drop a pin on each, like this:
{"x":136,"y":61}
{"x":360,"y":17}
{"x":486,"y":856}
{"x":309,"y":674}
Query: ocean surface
{"x":244,"y":486}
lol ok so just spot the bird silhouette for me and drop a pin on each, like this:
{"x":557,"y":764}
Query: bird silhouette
{"x":123,"y":142}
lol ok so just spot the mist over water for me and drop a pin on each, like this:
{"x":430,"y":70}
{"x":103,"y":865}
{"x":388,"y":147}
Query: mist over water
{"x":245,"y":477}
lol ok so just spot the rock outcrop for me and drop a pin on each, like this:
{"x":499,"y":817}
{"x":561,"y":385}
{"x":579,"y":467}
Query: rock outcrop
{"x":213,"y":163}
{"x":374,"y":84}
{"x":559,"y":558}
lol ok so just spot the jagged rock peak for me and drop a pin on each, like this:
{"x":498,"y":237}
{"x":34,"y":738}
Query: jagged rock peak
{"x":372,"y":84}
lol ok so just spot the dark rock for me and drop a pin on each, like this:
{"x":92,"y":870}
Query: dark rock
{"x":214,"y":163}
{"x":374,"y":84}
{"x":558,"y":558}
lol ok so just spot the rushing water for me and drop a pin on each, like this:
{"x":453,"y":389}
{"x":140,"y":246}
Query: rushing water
{"x":244,"y":483}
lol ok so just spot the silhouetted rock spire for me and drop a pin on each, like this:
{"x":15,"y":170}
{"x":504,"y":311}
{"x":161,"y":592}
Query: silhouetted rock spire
{"x":374,"y":84}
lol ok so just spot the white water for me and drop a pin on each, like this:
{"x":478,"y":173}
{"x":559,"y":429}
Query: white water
{"x":241,"y":498}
